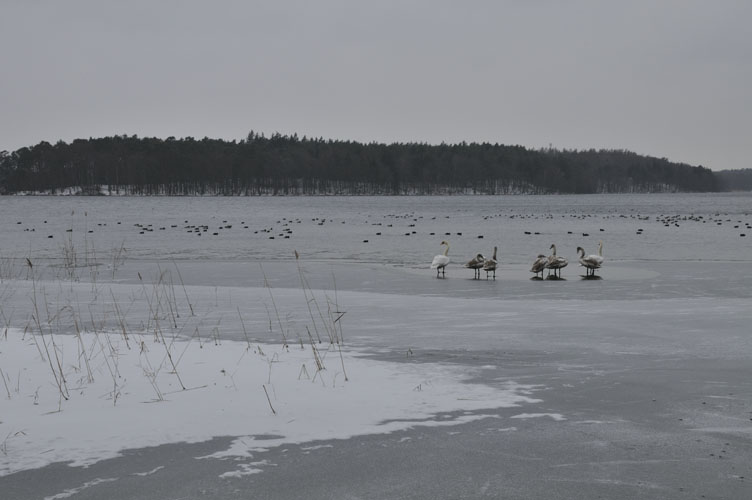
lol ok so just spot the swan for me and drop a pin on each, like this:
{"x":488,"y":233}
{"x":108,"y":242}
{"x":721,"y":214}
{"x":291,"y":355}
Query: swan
{"x":539,"y":265}
{"x":556,"y":263}
{"x":599,"y":257}
{"x":589,"y":262}
{"x":476,"y":263}
{"x":490,"y":265}
{"x":440,"y":261}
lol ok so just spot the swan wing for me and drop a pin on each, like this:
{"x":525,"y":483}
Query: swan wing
{"x":557,"y":263}
{"x":475,"y":263}
{"x":439,"y":261}
{"x":539,"y":265}
{"x":591,"y":261}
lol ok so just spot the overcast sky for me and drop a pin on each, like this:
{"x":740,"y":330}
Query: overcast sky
{"x":667,"y":78}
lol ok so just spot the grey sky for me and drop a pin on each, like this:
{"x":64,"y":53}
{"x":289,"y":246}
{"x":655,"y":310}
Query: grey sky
{"x":666,"y":78}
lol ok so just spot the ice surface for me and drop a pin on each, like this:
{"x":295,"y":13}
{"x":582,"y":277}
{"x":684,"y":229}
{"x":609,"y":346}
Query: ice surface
{"x":123,"y":393}
{"x":678,"y":290}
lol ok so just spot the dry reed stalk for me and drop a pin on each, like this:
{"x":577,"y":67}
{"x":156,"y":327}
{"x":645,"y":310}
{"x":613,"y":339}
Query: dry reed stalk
{"x":197,"y":334}
{"x":2,"y":375}
{"x":305,"y":294}
{"x":166,"y":292}
{"x":269,"y":399}
{"x":316,"y":357}
{"x":274,"y":304}
{"x":6,"y":321}
{"x":174,"y":366}
{"x":117,"y":258}
{"x":187,"y":345}
{"x":58,"y":375}
{"x":342,"y":360}
{"x":151,"y":309}
{"x":174,"y":297}
{"x":29,"y":329}
{"x":150,"y":374}
{"x":158,"y":334}
{"x":184,"y":290}
{"x":91,"y":263}
{"x":114,"y":355}
{"x":337,"y":311}
{"x":83,"y":352}
{"x":121,"y":320}
{"x":70,"y":260}
{"x":248,"y":341}
{"x":98,"y":341}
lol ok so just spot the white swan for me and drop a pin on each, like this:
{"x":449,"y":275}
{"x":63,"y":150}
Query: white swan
{"x":476,"y":263}
{"x":539,"y":265}
{"x":440,"y":261}
{"x":556,"y":263}
{"x":589,"y":262}
{"x":490,"y":265}
{"x":599,"y":257}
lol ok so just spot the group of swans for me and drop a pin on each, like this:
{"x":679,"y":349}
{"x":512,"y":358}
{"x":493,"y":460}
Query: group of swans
{"x":480,"y":263}
{"x":553,"y":262}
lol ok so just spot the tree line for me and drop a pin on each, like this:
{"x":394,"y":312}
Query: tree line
{"x":735,"y":180}
{"x":289,"y":165}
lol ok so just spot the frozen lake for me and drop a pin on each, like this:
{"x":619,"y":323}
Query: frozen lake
{"x":400,"y":231}
{"x":643,"y":377}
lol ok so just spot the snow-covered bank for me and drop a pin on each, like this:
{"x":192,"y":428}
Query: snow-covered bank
{"x":86,"y":398}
